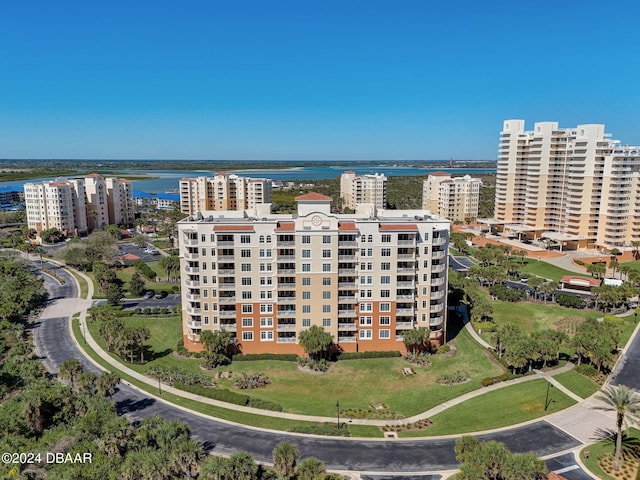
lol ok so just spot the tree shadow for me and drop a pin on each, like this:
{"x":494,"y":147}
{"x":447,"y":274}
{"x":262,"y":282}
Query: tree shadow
{"x":454,"y":324}
{"x":150,"y":355}
{"x":630,"y":445}
{"x":128,"y":405}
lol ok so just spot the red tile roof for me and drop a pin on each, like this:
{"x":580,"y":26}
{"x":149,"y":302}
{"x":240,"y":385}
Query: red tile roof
{"x":347,"y":226}
{"x":233,"y":228}
{"x":439,"y":174}
{"x":582,"y":281}
{"x":390,"y":227}
{"x":130,"y":257}
{"x":555,"y":476}
{"x":350,"y":172}
{"x":313,"y":196}
{"x":285,"y":227}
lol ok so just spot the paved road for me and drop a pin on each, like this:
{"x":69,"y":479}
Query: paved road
{"x":566,"y":466}
{"x":55,"y":344}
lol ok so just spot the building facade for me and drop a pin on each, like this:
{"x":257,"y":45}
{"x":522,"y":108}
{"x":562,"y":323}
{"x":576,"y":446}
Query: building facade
{"x":79,"y":205}
{"x":575,"y":186}
{"x":358,"y":189}
{"x":223,"y":192}
{"x":452,"y":198}
{"x":365,"y":278}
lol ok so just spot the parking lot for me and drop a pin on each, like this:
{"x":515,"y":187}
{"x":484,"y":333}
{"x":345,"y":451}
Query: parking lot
{"x":128,"y":247}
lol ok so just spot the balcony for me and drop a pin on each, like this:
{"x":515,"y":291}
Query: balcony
{"x":346,"y":258}
{"x":282,"y":271}
{"x":193,"y":324}
{"x":438,"y":241}
{"x":347,"y":299}
{"x":346,"y":271}
{"x":226,"y":272}
{"x":286,"y":243}
{"x":226,"y":286}
{"x":406,"y":269}
{"x":404,"y":297}
{"x":347,"y":285}
{"x":346,"y":313}
{"x":190,"y":242}
{"x":436,"y":322}
{"x":226,"y":258}
{"x":405,"y":284}
{"x":349,"y":339}
{"x":192,"y":270}
{"x":228,"y":327}
{"x":193,"y":337}
{"x":404,"y":311}
{"x":227,"y":313}
{"x":438,"y":255}
{"x":226,"y":243}
{"x":286,"y":339}
{"x":437,"y":295}
{"x":286,"y":258}
{"x":193,"y":310}
{"x":286,"y":327}
{"x":438,"y":268}
{"x":436,"y":308}
{"x":231,"y":299}
{"x":193,"y":297}
{"x":285,"y":313}
{"x":346,"y":327}
{"x":192,"y":283}
{"x":347,"y":243}
{"x":191,"y":255}
{"x":437,"y":282}
{"x":286,"y":299}
{"x":404,"y":325}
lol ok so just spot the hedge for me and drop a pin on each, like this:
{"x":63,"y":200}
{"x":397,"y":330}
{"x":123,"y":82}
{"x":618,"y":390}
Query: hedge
{"x":228,"y":396}
{"x":284,"y":357}
{"x":500,"y":378}
{"x":362,"y":355}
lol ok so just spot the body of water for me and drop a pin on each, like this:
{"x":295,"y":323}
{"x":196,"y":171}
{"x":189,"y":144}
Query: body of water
{"x":169,"y":179}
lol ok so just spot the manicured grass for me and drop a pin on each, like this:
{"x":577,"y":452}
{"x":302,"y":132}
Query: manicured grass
{"x":605,"y":447}
{"x":274,"y":423}
{"x":545,"y":270}
{"x":84,"y":288}
{"x":499,"y":408}
{"x":125,"y":274}
{"x":578,"y":384}
{"x":635,"y":264}
{"x":355,"y":383}
{"x":534,"y":316}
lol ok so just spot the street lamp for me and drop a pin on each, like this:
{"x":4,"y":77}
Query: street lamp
{"x":338,"y":407}
{"x":84,"y":333}
{"x":159,"y":388}
{"x":546,"y":398}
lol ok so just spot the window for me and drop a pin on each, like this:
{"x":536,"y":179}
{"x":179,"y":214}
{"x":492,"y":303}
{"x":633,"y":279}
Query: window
{"x":306,"y":239}
{"x":424,"y":304}
{"x":326,"y":281}
{"x":326,"y":267}
{"x":306,"y":295}
{"x":266,"y":280}
{"x":366,"y":307}
{"x":306,"y":253}
{"x":266,"y":322}
{"x":215,"y":320}
{"x":385,"y":280}
{"x":213,"y":238}
{"x":326,"y":322}
{"x":266,"y":336}
{"x":247,"y":308}
{"x":247,"y":322}
{"x":326,"y":253}
{"x":326,"y":239}
{"x":426,"y":250}
{"x":306,"y":281}
{"x":385,"y":307}
{"x":425,"y":263}
{"x":385,"y":293}
{"x":306,"y":267}
{"x":306,"y":309}
{"x":246,"y":295}
{"x":246,"y":267}
{"x":206,"y":307}
{"x":306,"y":322}
{"x":261,"y":238}
{"x":245,"y":238}
{"x":364,"y":321}
{"x":245,"y":253}
{"x":326,"y":308}
{"x":206,"y":320}
{"x":385,"y":252}
{"x":268,"y":238}
{"x":365,"y":335}
{"x":205,"y":293}
{"x":247,"y":336}
{"x":385,"y":320}
{"x":266,"y":308}
{"x":266,"y":294}
{"x":326,"y":295}
{"x":204,"y":279}
{"x":246,"y":281}
{"x":370,"y":238}
{"x":203,"y":238}
{"x":386,"y":238}
{"x":384,"y":334}
{"x":385,"y":266}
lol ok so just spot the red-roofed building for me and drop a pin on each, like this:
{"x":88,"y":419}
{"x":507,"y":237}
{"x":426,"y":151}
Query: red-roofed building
{"x":584,"y":284}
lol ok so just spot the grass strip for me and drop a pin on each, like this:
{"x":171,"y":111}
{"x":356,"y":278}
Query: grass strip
{"x":273,"y":423}
{"x":577,"y":383}
{"x":604,"y":447}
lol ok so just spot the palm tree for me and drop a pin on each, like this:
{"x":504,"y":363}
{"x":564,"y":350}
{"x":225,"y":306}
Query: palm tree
{"x":70,"y":370}
{"x":636,"y":249}
{"x":625,"y":402}
{"x":284,"y":459}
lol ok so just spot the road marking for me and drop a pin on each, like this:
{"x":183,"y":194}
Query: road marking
{"x":566,"y":469}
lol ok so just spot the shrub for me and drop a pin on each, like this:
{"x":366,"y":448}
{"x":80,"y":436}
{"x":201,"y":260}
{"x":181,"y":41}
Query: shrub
{"x":442,"y":349}
{"x":362,"y":355}
{"x":587,"y":370}
{"x":577,"y":261}
{"x":212,"y":360}
{"x":137,"y":311}
{"x":246,"y":381}
{"x":422,"y":359}
{"x":506,"y":294}
{"x":147,"y":311}
{"x":165,"y":311}
{"x":264,"y":405}
{"x":371,"y":413}
{"x":570,"y":301}
{"x":173,"y":375}
{"x":500,"y":378}
{"x":284,"y":357}
{"x":316,"y":365}
{"x":453,"y":378}
{"x":144,"y":269}
{"x":485,"y":326}
{"x":156,"y":311}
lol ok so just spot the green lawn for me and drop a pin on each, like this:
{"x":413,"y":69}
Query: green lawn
{"x":348,"y":381}
{"x":606,"y":447}
{"x":634,"y":264}
{"x":578,"y":384}
{"x":534,"y":316}
{"x":545,"y":270}
{"x":273,"y":423}
{"x":498,"y":408}
{"x":125,"y":274}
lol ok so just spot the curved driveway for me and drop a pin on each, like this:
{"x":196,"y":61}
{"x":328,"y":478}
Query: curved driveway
{"x":55,"y":344}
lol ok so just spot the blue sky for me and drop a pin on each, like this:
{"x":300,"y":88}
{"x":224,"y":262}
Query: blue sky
{"x":298,"y":80}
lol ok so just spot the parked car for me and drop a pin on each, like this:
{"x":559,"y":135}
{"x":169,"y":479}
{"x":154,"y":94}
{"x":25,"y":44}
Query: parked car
{"x":161,"y":294}
{"x":148,"y":294}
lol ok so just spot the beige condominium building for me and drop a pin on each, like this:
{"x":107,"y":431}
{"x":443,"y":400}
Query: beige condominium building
{"x":575,"y":186}
{"x":454,"y":198}
{"x":223,"y":191}
{"x":366,"y":278}
{"x":77,"y":206}
{"x":357,"y":189}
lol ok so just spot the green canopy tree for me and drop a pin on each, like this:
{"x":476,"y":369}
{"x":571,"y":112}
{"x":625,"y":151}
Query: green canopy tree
{"x":285,"y":456}
{"x":311,"y":469}
{"x":315,"y":341}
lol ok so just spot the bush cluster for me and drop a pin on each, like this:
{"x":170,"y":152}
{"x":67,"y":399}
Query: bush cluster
{"x":175,"y":375}
{"x":419,"y":425}
{"x":443,"y":349}
{"x":322,"y":429}
{"x":500,"y":378}
{"x":311,"y":363}
{"x":421,"y":359}
{"x":151,"y":311}
{"x":485,"y":326}
{"x":371,"y":413}
{"x":284,"y":357}
{"x":453,"y":378}
{"x":144,"y":269}
{"x":220,"y":394}
{"x":245,"y":381}
{"x":577,"y":261}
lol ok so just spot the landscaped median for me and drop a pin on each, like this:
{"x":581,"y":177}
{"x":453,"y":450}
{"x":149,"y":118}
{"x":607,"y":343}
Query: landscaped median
{"x":598,"y":457}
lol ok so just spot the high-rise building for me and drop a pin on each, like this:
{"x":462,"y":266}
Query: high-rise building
{"x":78,"y":205}
{"x":359,"y":189}
{"x":575,"y":186}
{"x":365,"y":278}
{"x":452,"y":198}
{"x":223,"y":191}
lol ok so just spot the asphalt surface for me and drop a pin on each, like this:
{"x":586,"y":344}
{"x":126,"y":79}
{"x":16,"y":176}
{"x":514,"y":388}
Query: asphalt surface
{"x":566,"y":466}
{"x":628,"y":370}
{"x":55,"y":344}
